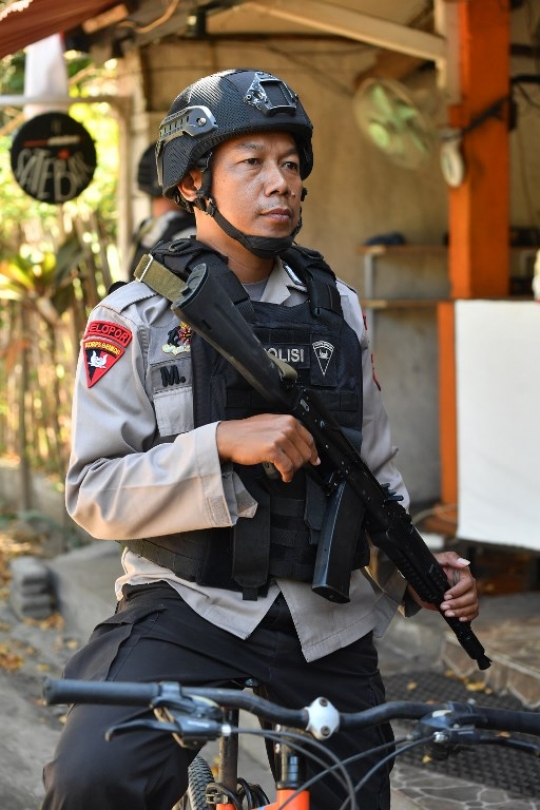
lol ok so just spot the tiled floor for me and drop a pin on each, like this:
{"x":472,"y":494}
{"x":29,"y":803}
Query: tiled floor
{"x":509,"y":628}
{"x":438,"y":792}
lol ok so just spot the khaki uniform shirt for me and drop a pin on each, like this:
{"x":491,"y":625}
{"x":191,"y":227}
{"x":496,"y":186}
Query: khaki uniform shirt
{"x":138,"y":469}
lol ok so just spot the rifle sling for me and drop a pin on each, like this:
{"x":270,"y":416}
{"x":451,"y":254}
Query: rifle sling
{"x":159,"y":278}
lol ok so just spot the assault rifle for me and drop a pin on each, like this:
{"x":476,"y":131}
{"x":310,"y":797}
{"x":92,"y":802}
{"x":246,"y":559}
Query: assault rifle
{"x":351,"y":487}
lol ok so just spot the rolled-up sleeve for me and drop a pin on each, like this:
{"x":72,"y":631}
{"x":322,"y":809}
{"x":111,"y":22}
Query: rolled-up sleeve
{"x":123,"y":482}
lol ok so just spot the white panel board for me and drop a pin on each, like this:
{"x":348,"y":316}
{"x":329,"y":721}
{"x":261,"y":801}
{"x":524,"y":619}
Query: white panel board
{"x":498,"y":401}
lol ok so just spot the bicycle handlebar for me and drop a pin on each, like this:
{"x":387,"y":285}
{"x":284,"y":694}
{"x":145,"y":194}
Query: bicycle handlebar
{"x":184,"y":699}
{"x":170,"y":694}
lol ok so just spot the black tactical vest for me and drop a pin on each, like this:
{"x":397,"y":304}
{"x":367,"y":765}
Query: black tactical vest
{"x":314,"y":338}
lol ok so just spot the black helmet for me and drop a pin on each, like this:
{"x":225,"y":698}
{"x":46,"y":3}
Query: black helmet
{"x":147,"y":176}
{"x":223,"y":106}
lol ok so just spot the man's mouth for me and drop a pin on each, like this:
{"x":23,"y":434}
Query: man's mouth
{"x":277,"y":213}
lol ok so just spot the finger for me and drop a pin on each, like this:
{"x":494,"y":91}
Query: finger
{"x":464,"y":589}
{"x":283,"y":464}
{"x":293,"y":447}
{"x":468,"y":597}
{"x":463,"y":607}
{"x":302,"y":441}
{"x":288,"y":458}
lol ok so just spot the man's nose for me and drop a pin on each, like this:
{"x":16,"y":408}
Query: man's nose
{"x":276,"y":180}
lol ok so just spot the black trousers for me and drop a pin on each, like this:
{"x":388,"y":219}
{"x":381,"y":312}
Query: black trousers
{"x":155,"y":636}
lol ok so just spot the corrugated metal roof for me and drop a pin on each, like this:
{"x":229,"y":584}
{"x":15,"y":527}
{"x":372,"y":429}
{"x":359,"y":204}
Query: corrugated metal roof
{"x":23,"y":22}
{"x":28,"y":21}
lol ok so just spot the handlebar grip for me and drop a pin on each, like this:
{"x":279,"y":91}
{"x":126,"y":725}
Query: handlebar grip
{"x":64,"y":690}
{"x":523,"y":721}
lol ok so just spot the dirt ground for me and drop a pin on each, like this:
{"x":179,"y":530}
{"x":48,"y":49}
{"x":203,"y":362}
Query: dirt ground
{"x":29,"y":652}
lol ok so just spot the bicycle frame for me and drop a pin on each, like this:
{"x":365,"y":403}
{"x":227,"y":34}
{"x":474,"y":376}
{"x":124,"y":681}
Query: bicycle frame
{"x":291,"y":773}
{"x":300,"y":802}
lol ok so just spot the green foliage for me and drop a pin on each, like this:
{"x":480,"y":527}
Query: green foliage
{"x":55,"y":265}
{"x":12,"y":74}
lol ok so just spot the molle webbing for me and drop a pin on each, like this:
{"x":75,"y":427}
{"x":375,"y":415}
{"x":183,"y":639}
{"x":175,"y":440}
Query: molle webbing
{"x":280,"y":541}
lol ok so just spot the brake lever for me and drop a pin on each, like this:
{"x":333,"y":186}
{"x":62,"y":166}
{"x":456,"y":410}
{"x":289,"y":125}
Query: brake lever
{"x":137,"y":725}
{"x":189,"y":732}
{"x":192,"y":731}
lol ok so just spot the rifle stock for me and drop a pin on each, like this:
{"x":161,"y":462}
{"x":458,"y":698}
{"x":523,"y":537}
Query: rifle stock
{"x":204,"y":305}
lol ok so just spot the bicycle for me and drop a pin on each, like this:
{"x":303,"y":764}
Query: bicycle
{"x":197,"y":715}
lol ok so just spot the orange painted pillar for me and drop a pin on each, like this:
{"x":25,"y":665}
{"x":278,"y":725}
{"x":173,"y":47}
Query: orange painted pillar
{"x":479,"y":208}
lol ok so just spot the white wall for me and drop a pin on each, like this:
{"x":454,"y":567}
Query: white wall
{"x":498,"y":382}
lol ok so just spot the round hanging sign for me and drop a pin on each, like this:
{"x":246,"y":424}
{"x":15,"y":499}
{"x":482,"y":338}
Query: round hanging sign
{"x":53,"y":157}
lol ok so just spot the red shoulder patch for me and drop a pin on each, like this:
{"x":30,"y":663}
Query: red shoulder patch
{"x":103,"y":344}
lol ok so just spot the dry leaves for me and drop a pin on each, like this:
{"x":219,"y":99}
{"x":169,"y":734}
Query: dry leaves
{"x":10,"y":661}
{"x":470,"y":686}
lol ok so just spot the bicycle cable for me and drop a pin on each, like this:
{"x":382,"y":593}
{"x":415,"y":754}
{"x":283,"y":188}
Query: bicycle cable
{"x":391,"y":756}
{"x":329,"y":770}
{"x":300,"y":743}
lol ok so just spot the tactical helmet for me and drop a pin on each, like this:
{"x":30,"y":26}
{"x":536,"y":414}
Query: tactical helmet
{"x":223,"y":106}
{"x":147,"y":176}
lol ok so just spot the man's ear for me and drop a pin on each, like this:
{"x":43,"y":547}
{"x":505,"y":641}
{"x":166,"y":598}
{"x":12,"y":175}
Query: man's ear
{"x":189,"y":185}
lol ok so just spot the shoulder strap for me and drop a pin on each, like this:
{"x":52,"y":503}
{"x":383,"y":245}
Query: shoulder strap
{"x":168,"y":264}
{"x":320,"y":281}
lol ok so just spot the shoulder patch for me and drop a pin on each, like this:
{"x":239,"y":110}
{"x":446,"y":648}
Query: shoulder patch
{"x":103,"y":344}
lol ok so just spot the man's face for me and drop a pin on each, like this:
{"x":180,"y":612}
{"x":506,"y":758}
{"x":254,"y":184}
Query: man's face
{"x":256,"y":183}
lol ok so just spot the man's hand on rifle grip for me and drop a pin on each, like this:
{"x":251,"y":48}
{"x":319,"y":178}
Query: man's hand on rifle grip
{"x":278,"y":439}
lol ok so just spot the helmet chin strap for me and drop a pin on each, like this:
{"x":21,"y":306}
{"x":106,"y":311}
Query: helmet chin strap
{"x":265,"y":247}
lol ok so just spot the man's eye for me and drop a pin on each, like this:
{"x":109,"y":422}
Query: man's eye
{"x":292,"y":165}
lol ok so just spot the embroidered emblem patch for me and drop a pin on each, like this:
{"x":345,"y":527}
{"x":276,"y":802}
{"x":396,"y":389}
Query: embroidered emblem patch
{"x":323,"y":353}
{"x":178,"y":340}
{"x":103,"y":343}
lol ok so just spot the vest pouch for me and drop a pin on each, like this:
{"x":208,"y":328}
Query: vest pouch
{"x":251,"y":547}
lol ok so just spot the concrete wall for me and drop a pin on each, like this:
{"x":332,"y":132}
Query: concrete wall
{"x":47,"y":513}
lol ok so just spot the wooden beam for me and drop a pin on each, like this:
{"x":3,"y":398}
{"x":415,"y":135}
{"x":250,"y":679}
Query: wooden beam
{"x":447,"y":403}
{"x":355,"y":25}
{"x":479,"y":208}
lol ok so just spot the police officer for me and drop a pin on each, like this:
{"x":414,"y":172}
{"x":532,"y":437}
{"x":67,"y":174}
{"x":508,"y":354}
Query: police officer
{"x":218,"y":556}
{"x":166,"y":222}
